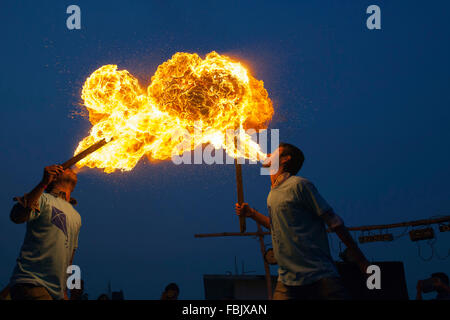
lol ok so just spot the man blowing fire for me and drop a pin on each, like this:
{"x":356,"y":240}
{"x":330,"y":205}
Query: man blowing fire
{"x":51,"y":237}
{"x":297,"y":218}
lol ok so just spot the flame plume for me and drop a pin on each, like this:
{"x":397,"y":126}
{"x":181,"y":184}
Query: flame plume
{"x":186,"y":94}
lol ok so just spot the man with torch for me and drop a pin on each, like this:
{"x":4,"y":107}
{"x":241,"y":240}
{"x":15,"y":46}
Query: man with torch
{"x":51,"y":236}
{"x":297,"y":218}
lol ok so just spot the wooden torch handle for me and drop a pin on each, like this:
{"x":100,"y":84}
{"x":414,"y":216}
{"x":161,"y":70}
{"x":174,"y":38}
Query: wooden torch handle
{"x":84,"y":153}
{"x":240,"y":193}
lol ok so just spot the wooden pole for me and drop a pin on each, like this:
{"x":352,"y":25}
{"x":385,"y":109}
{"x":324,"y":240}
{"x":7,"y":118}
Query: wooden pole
{"x":84,"y":153}
{"x":243,"y":226}
{"x":231,"y":234}
{"x":415,"y":223}
{"x":266,"y":265}
{"x":240,"y":193}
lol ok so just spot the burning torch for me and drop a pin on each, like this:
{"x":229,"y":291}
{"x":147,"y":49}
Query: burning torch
{"x":83,"y":154}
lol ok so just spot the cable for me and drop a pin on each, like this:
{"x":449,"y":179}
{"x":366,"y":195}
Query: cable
{"x":436,"y":253}
{"x":442,"y":258}
{"x":420,"y":254}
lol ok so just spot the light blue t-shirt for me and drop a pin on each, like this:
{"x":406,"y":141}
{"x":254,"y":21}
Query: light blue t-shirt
{"x":50,"y":239}
{"x":299,"y":237}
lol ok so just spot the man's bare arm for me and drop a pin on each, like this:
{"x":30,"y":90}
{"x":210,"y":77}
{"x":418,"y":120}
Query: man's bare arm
{"x":336,"y":224}
{"x":249,"y":212}
{"x":20,"y":212}
{"x":345,"y":236}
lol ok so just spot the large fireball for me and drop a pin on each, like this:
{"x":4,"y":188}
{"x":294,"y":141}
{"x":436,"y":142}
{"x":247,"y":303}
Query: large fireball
{"x":186,"y":92}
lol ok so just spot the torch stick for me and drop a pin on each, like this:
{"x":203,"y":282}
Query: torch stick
{"x":266,"y":265}
{"x":240,"y":193}
{"x":239,"y":187}
{"x":83,"y":154}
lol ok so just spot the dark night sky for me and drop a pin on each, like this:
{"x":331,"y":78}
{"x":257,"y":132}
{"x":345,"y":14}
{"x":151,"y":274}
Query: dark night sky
{"x":370,"y":109}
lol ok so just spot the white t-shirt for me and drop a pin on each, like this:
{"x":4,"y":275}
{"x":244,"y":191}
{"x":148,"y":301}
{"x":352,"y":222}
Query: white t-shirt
{"x":299,"y":238}
{"x":50,"y":239}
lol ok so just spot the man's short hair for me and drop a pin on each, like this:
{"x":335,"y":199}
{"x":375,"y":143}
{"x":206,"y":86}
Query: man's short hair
{"x":294,"y":165}
{"x":442,"y":276}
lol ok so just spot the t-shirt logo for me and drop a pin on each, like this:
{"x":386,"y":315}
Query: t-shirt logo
{"x":59,"y":220}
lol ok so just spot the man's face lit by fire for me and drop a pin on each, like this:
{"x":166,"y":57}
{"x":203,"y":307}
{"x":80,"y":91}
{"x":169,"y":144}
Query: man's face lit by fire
{"x":68,"y":177}
{"x":273,"y":161}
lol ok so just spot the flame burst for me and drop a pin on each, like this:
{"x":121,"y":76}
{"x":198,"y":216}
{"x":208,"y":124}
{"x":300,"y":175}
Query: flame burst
{"x":187,"y":94}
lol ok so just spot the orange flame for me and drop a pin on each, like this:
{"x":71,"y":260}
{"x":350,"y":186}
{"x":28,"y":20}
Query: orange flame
{"x":187,"y":92}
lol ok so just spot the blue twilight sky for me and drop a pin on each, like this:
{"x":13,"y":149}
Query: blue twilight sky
{"x":370,"y":109}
